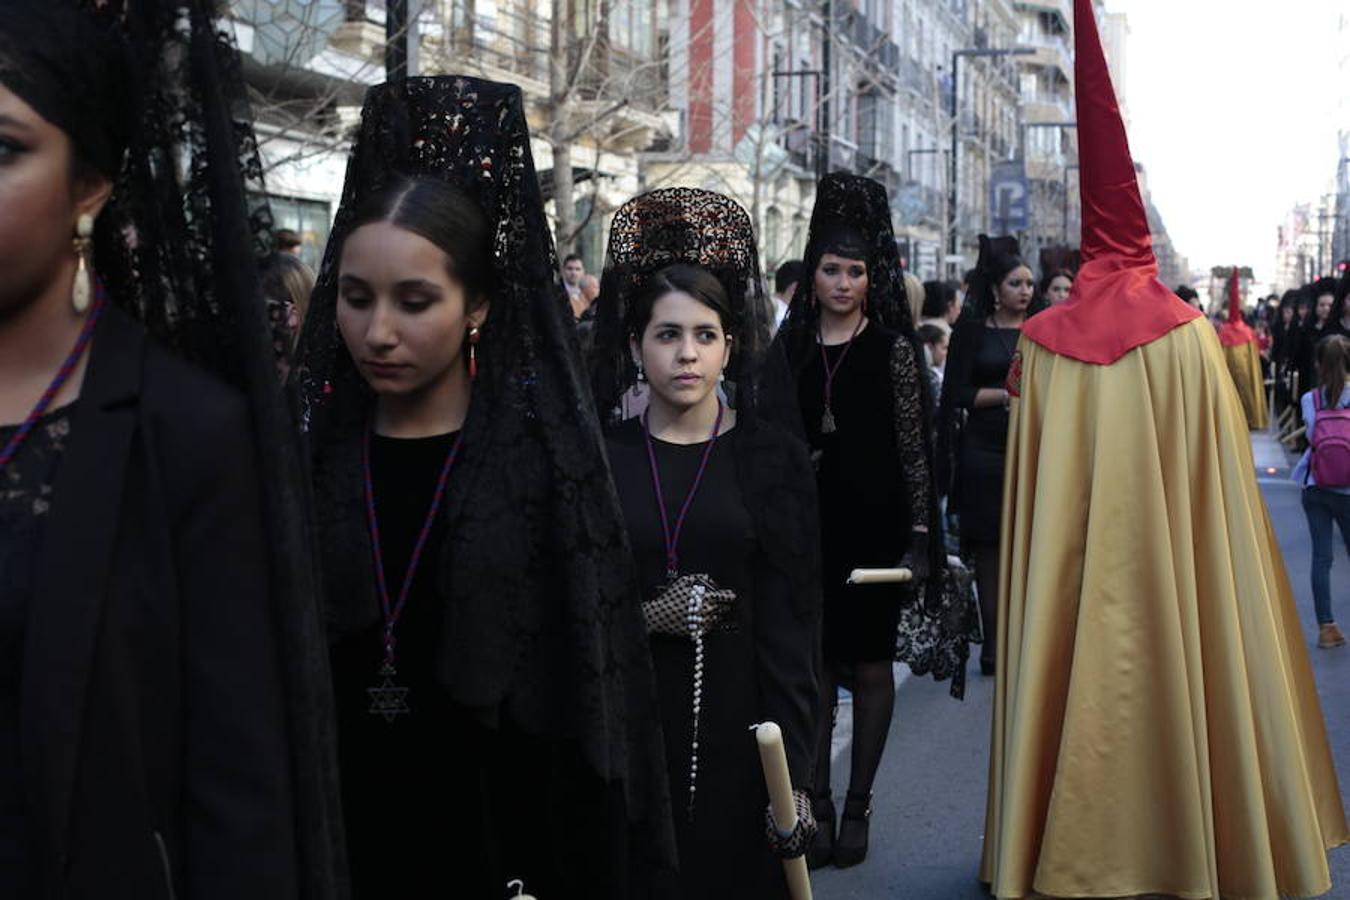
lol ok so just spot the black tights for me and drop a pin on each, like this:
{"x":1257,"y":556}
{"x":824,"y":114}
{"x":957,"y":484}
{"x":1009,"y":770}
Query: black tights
{"x":986,"y":584}
{"x":873,"y":703}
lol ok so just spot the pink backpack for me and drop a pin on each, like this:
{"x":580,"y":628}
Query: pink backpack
{"x":1331,"y":445}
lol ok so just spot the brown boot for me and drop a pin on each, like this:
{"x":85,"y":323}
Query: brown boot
{"x":1329,"y":636}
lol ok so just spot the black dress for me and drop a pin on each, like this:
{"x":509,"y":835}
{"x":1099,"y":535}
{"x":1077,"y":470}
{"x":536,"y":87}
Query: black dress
{"x":25,"y":499}
{"x":872,"y":474}
{"x":979,"y":358}
{"x":761,"y":670}
{"x":438,"y":802}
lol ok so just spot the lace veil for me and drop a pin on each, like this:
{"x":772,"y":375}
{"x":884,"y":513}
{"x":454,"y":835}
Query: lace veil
{"x":151,"y":93}
{"x":853,"y":211}
{"x":545,"y":628}
{"x":661,"y":228}
{"x":857,"y":209}
{"x":687,"y":225}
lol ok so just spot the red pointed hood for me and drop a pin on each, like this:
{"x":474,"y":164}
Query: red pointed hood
{"x":1235,"y":332}
{"x":1117,"y":302}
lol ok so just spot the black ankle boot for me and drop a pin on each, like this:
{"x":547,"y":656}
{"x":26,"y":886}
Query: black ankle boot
{"x":821,"y":851}
{"x":851,"y":846}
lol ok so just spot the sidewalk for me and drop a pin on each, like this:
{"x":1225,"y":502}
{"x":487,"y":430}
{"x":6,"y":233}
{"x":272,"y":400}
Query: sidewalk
{"x":1268,"y":453}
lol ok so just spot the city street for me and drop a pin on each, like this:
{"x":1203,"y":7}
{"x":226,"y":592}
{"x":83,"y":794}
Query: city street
{"x":928,"y":812}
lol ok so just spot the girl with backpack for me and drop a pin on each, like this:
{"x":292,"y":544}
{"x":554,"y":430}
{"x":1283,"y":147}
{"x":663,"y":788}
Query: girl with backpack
{"x":1324,"y":472}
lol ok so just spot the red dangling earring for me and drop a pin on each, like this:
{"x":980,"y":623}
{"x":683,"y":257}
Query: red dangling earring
{"x":474,"y":334}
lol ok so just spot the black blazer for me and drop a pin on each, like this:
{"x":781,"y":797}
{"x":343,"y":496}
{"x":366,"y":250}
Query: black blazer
{"x":152,"y":734}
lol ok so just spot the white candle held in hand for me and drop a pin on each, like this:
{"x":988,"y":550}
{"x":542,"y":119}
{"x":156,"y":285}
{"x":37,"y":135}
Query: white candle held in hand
{"x":880,"y":576}
{"x":774,"y":760}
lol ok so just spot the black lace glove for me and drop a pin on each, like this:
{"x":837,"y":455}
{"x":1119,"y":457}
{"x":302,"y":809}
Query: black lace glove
{"x":794,"y":844}
{"x":916,"y":557}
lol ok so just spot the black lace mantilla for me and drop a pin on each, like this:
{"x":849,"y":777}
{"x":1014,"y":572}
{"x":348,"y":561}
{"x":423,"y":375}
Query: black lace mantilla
{"x":545,"y":627}
{"x":860,"y":205}
{"x":661,"y":228}
{"x":687,"y":225}
{"x":152,"y":94}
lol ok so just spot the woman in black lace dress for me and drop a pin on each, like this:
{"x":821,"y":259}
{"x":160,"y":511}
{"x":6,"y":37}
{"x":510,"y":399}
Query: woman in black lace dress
{"x":148,"y":653}
{"x":981,"y":351}
{"x":720,"y":509}
{"x":862,"y":398}
{"x":492,"y":681}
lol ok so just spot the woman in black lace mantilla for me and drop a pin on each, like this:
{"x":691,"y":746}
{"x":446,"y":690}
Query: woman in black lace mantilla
{"x":854,"y":377}
{"x":721,"y":511}
{"x":162,"y":710}
{"x":493,"y":683}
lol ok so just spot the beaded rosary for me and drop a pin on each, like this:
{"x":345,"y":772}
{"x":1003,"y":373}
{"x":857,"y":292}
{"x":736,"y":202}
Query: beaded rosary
{"x":695,"y":614}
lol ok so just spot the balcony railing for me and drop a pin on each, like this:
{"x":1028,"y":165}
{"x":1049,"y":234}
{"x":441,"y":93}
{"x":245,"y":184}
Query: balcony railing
{"x":517,"y":41}
{"x":1056,"y":104}
{"x":853,"y":26}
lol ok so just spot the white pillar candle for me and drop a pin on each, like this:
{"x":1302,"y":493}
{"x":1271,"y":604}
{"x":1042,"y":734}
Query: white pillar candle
{"x":880,"y":576}
{"x":774,"y":760}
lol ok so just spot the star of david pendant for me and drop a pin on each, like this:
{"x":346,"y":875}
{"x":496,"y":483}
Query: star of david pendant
{"x":827,"y":422}
{"x":388,"y":699}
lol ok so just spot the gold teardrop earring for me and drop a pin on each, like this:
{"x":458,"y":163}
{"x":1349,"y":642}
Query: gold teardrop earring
{"x":83,"y":291}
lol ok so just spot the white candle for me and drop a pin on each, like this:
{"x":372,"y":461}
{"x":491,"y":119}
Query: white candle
{"x":880,"y":576}
{"x":774,"y":760}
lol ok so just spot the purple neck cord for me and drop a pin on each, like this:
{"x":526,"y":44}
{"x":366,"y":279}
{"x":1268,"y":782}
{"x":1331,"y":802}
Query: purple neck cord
{"x":58,"y":381}
{"x":673,"y":539}
{"x":391,"y":615}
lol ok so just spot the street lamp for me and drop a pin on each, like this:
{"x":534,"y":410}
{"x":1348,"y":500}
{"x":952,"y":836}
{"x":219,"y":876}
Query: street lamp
{"x":956,"y":124}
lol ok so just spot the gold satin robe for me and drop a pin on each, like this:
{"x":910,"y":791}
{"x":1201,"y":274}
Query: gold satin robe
{"x":1156,"y":726}
{"x":1244,"y":364}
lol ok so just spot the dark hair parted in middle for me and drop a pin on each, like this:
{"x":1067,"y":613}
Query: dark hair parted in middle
{"x":444,"y":215}
{"x":684,"y":278}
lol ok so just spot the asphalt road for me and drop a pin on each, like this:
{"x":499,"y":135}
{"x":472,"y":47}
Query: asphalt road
{"x":928,"y":810}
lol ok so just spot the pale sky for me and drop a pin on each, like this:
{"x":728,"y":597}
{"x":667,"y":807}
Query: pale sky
{"x":1232,"y":112}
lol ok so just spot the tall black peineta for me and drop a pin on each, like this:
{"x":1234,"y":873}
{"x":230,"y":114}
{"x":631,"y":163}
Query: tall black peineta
{"x":543,"y":632}
{"x":659,"y":229}
{"x":151,"y":95}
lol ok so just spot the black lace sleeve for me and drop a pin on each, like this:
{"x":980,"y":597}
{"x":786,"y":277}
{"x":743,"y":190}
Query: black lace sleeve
{"x":911,"y":438}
